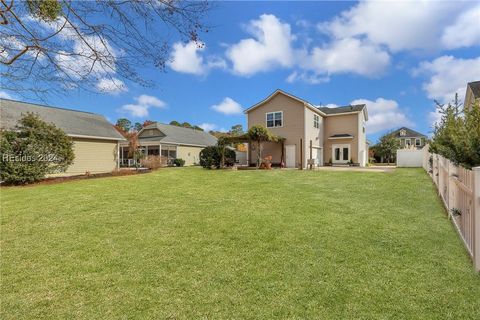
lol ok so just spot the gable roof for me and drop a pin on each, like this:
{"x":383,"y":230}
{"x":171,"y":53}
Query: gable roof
{"x":475,"y":87}
{"x":320,"y":110}
{"x":179,"y":135}
{"x":409,"y":133}
{"x":279,"y":91}
{"x":343,"y":109}
{"x":74,"y":123}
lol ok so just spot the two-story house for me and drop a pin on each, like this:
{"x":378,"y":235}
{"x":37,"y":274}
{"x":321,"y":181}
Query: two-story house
{"x":472,"y":94}
{"x":313,"y":135}
{"x":409,"y":138}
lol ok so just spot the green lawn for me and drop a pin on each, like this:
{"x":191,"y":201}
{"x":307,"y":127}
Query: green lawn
{"x":190,"y":243}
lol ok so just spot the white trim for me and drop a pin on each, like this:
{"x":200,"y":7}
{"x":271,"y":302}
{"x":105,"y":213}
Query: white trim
{"x":266,"y":120}
{"x":95,"y":137}
{"x":342,"y":114}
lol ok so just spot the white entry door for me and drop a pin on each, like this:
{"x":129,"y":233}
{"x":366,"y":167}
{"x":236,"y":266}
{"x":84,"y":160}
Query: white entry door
{"x":341,"y":153}
{"x":290,"y":156}
{"x":319,"y":160}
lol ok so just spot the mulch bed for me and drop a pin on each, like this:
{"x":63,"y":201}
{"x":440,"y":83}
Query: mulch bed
{"x":55,"y":180}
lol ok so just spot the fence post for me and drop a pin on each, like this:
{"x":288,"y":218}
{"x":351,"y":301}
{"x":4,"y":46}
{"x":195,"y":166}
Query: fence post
{"x":476,"y":218}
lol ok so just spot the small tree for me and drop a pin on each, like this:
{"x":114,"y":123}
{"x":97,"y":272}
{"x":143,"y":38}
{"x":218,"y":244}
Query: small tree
{"x":124,"y":124}
{"x":388,"y":146}
{"x":259,"y":134}
{"x":32,"y":150}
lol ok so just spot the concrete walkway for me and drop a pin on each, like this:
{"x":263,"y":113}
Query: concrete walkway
{"x":359,"y":169}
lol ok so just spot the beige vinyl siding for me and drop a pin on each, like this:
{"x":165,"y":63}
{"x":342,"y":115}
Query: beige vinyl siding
{"x":362,"y":140}
{"x":312,"y":134}
{"x":292,"y":128}
{"x":191,"y":155}
{"x":94,"y":156}
{"x":340,"y":124}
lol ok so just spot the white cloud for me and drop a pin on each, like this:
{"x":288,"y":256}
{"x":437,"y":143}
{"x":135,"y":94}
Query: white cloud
{"x":187,"y":58}
{"x":466,"y":30}
{"x":111,"y":86}
{"x":400,"y":25}
{"x":208,"y":126}
{"x":5,"y":95}
{"x":349,"y":55}
{"x":270,"y":47}
{"x":383,"y":114}
{"x":307,"y":77}
{"x":448,"y":75}
{"x":228,"y":106}
{"x":140,"y":109}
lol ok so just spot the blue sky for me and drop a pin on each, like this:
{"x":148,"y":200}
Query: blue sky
{"x":396,"y":57}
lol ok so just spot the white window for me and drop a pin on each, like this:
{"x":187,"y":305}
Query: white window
{"x":418,"y":142}
{"x":316,"y":121}
{"x":403,"y":133}
{"x":408,"y":142}
{"x":274,"y":119}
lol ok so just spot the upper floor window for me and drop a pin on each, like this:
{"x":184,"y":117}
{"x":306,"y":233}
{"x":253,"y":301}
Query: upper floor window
{"x":403,"y":133}
{"x":274,"y":119}
{"x":316,"y":121}
{"x":418,"y":142}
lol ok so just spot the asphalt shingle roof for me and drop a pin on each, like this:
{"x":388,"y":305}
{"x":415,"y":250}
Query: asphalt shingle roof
{"x":72,"y":122}
{"x":409,"y":133}
{"x":344,"y":109}
{"x":180,"y":135}
{"x":475,"y":87}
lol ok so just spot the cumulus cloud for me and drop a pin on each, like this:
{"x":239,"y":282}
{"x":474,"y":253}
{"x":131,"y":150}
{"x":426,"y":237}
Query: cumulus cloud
{"x":383,"y":114}
{"x":270,"y":47}
{"x":448,"y":75}
{"x":228,"y":106}
{"x":112,"y":86}
{"x":208,"y":126}
{"x":142,"y":105}
{"x":349,"y":55}
{"x":399,"y":25}
{"x":187,"y":58}
{"x":465,"y":32}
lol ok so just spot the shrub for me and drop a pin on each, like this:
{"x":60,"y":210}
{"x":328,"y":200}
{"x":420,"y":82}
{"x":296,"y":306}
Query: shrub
{"x":179,"y":162}
{"x":32,"y":150}
{"x":154,"y":162}
{"x":457,"y":134}
{"x":210,"y":157}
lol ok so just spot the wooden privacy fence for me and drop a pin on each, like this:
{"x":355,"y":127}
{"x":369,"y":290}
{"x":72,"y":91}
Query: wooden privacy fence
{"x":459,"y":189}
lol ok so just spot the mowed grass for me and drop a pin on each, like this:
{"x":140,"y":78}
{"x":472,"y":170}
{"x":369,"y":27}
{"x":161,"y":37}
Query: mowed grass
{"x":190,"y":243}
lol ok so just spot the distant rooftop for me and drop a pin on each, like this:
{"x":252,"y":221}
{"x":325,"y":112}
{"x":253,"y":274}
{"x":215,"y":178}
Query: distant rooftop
{"x":72,"y":122}
{"x":409,"y":133}
{"x":180,"y":135}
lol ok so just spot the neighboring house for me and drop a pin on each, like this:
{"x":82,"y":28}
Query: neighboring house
{"x":95,"y":139}
{"x":312,"y":135}
{"x":171,"y":142}
{"x":408,"y":138}
{"x":472,"y":94}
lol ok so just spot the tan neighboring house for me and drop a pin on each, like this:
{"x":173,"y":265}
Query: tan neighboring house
{"x":472,"y":94}
{"x":312,"y":135}
{"x":409,"y":138}
{"x":171,"y":142}
{"x":95,"y":141}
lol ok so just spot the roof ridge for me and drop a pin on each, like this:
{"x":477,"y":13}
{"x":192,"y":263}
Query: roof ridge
{"x":52,"y":107}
